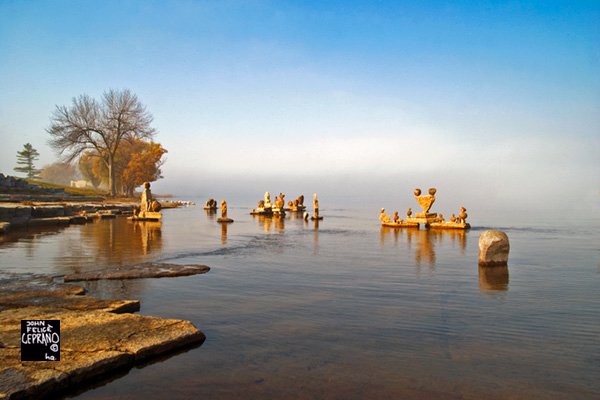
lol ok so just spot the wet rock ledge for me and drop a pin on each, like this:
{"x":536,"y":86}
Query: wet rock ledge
{"x":146,"y":270}
{"x":21,"y":215}
{"x":97,"y":338}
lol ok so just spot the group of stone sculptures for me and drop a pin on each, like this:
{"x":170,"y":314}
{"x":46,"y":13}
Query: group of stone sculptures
{"x":267,"y":208}
{"x":211,"y":206}
{"x":428,"y":219}
{"x":278,"y":209}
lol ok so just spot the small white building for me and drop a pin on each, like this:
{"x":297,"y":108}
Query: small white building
{"x":82,"y":184}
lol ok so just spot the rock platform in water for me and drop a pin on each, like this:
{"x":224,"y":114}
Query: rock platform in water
{"x":146,"y":270}
{"x":93,"y":342}
{"x":42,"y":292}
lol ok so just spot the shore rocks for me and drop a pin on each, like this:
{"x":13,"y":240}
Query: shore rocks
{"x":93,"y":343}
{"x":146,"y":270}
{"x":42,"y":293}
{"x":19,"y":215}
{"x":493,"y":248}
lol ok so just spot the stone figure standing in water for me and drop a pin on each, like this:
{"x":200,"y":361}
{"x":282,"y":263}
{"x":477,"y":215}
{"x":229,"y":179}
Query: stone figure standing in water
{"x":146,"y":202}
{"x":316,"y":205}
{"x":223,"y":209}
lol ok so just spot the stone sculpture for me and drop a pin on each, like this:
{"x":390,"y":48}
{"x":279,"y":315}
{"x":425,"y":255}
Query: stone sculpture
{"x":383,"y":217}
{"x":425,"y":201}
{"x":146,"y":201}
{"x":211,"y":204}
{"x":395,"y":222}
{"x":264,"y":207}
{"x":148,"y":209}
{"x":224,"y":218}
{"x":223,"y":209}
{"x":316,"y":208}
{"x":433,"y":220}
{"x":296,"y":205}
{"x":279,"y":208}
{"x":279,"y":202}
{"x":462,"y":217}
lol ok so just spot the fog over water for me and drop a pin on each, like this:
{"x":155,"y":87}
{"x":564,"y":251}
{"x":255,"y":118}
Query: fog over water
{"x":495,"y":104}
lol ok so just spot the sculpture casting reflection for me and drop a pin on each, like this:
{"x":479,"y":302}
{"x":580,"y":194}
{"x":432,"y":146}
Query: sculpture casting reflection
{"x":493,"y":278}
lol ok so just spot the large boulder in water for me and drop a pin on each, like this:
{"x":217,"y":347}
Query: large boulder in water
{"x":493,"y":248}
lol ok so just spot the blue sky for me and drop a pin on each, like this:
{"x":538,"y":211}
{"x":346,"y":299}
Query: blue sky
{"x":351,"y":99}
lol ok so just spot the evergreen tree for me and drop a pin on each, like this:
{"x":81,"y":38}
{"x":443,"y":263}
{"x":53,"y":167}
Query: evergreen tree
{"x":26,"y":157}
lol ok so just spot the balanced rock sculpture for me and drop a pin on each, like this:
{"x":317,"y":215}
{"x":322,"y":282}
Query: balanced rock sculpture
{"x":493,"y":249}
{"x":211,"y":205}
{"x":223,"y":219}
{"x":149,"y":208}
{"x":316,"y":216}
{"x":264,"y":207}
{"x":425,"y":201}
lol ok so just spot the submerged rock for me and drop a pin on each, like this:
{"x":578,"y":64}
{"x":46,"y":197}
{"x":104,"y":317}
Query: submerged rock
{"x":40,"y":293}
{"x":146,"y":270}
{"x":493,"y":248}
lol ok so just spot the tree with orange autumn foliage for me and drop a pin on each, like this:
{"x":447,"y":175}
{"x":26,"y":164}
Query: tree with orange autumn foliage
{"x":143,"y":166}
{"x":136,"y":162}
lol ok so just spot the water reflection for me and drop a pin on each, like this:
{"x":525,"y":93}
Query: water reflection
{"x":29,"y":234}
{"x":424,"y":241}
{"x":224,"y":233}
{"x":150,"y":235}
{"x":425,"y":249}
{"x":267,"y":222}
{"x":211,"y":214}
{"x":493,"y":278}
{"x":386,"y":231}
{"x":315,"y":236}
{"x":109,"y":243}
{"x":455,"y":236}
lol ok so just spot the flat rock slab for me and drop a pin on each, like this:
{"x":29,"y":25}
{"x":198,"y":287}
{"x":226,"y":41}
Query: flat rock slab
{"x":44,"y":293}
{"x":93,"y":343}
{"x":146,"y":270}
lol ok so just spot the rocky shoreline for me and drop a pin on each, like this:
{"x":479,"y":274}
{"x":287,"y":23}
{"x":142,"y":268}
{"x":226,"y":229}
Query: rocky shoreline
{"x":97,"y":337}
{"x":27,"y":215}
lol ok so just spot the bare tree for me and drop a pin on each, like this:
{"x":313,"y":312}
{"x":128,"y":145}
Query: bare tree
{"x":100,"y":127}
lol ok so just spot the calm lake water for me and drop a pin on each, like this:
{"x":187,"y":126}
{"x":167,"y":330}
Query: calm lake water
{"x":345,"y":309}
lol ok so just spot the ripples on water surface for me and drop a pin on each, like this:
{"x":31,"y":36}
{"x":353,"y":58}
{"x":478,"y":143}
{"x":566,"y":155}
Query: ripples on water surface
{"x":344,"y":309}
